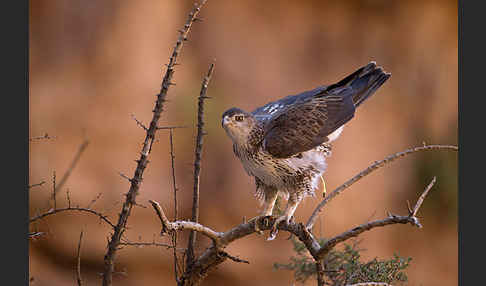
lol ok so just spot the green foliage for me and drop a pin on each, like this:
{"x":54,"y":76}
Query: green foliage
{"x":343,"y":267}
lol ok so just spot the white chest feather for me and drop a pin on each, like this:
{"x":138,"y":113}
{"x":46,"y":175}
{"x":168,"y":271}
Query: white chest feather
{"x":278,"y":172}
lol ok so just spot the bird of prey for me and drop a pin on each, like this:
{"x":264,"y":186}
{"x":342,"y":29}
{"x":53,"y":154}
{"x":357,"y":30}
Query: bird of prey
{"x":284,"y":143}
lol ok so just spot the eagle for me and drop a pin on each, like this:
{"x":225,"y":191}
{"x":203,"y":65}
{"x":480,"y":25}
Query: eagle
{"x":284,"y":144}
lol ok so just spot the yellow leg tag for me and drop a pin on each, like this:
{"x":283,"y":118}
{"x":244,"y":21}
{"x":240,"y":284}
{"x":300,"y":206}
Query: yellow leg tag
{"x":323,"y":187}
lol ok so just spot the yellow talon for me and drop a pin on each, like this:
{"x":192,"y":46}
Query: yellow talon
{"x":323,"y":187}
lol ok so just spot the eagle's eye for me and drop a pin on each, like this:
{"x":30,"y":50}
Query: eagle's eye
{"x":239,"y":117}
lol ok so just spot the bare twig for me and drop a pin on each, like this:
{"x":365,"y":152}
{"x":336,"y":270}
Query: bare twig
{"x":78,"y":268}
{"x":197,"y":163}
{"x":94,"y":201}
{"x":147,"y":147}
{"x":54,"y":188}
{"x":75,"y":161}
{"x":35,"y":234}
{"x":36,"y":185}
{"x":370,"y":284}
{"x":46,"y":136}
{"x":170,"y":127}
{"x":139,"y":123}
{"x":235,"y":259}
{"x":64,"y":178}
{"x":367,"y":171}
{"x":391,"y":219}
{"x":142,"y":244}
{"x":72,"y":209}
{"x":68,"y":198}
{"x":168,"y":226}
{"x":174,"y":185}
{"x":420,"y":200}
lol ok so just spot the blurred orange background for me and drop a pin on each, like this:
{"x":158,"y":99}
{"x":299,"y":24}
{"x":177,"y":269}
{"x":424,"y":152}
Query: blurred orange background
{"x":94,"y":63}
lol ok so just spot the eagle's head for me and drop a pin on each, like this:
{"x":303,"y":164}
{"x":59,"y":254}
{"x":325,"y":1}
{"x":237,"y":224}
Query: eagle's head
{"x":238,"y":124}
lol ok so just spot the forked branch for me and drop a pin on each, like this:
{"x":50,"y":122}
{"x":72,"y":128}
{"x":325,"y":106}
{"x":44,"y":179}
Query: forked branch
{"x":367,"y":171}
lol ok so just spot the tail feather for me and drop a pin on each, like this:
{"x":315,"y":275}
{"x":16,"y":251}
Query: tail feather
{"x":367,"y":83}
{"x":364,"y":82}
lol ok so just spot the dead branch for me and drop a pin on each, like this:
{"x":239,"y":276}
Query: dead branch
{"x":54,"y":188}
{"x":139,"y":123}
{"x":168,"y":227}
{"x":170,"y":127}
{"x":72,"y":209}
{"x":78,"y":268}
{"x":213,"y":255}
{"x":36,"y":185}
{"x":45,"y":136}
{"x":367,"y":171}
{"x":235,"y":259}
{"x":391,"y":219}
{"x":147,"y":147}
{"x":153,"y":243}
{"x":370,"y":284}
{"x":174,"y":185}
{"x":197,"y":162}
{"x":35,"y":234}
{"x":73,"y":164}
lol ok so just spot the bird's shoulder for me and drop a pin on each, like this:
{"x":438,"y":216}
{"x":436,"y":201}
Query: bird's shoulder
{"x":272,"y":109}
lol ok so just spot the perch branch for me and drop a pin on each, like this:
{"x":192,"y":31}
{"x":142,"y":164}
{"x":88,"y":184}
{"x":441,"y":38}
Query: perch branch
{"x":212,"y":256}
{"x":197,"y":163}
{"x":367,"y":171}
{"x":391,"y":219}
{"x":168,"y":226}
{"x":147,"y":147}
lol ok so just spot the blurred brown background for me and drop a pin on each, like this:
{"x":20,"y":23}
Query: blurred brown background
{"x":94,"y":63}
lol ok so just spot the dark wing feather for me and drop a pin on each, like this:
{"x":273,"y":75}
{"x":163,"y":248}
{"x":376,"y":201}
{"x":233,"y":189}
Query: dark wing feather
{"x":274,"y":108}
{"x":307,"y":121}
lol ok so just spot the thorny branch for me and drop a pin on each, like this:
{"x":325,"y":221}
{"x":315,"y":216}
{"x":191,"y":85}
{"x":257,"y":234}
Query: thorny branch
{"x":367,"y":171}
{"x":197,"y":162}
{"x":174,"y":235}
{"x":147,"y":147}
{"x":213,"y":256}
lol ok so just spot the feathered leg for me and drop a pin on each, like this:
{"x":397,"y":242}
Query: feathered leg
{"x":270,"y":198}
{"x":268,"y":204}
{"x":294,"y":200}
